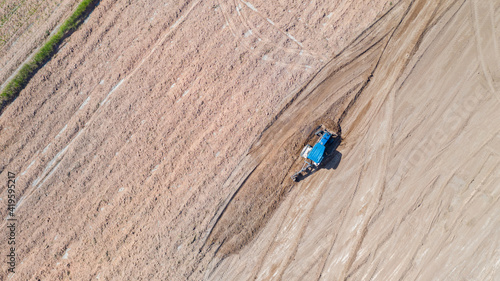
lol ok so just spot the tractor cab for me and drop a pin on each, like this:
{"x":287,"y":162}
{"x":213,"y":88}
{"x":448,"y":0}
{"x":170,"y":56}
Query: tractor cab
{"x":317,"y":153}
{"x":314,"y":153}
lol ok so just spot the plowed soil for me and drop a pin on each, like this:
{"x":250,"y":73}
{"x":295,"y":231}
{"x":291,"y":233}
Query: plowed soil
{"x":159,"y":142}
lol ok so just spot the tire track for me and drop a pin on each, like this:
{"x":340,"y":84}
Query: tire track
{"x":59,"y":157}
{"x":245,"y":22}
{"x":261,"y":45}
{"x":415,"y":8}
{"x":248,"y":25}
{"x":156,"y":45}
{"x":486,"y":68}
{"x":413,"y":36}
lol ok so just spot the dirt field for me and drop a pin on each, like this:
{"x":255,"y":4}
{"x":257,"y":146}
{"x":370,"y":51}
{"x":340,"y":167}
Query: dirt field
{"x":159,"y":143}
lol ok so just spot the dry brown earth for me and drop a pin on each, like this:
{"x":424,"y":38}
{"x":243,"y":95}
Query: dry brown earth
{"x":416,"y":194}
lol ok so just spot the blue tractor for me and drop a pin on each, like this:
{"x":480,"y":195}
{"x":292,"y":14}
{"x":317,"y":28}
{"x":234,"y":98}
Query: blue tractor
{"x":314,"y":155}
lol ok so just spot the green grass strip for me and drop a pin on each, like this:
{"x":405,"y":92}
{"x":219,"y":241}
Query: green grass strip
{"x":45,"y":53}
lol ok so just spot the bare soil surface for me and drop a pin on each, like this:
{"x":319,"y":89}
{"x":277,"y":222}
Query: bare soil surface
{"x":159,"y":142}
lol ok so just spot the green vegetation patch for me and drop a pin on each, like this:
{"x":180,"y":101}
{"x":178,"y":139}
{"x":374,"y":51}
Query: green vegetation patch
{"x":44,"y":54}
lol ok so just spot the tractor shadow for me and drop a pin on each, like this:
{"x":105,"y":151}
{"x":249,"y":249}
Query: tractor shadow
{"x":330,"y":162}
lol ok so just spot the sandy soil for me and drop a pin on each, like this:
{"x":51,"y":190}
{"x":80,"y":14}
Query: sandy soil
{"x":159,"y":142}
